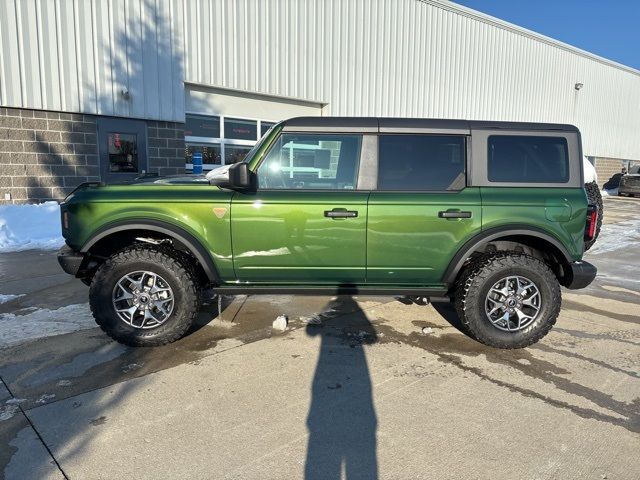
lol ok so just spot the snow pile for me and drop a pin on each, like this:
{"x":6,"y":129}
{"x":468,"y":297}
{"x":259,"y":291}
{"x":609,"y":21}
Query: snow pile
{"x":8,"y":298}
{"x":614,"y":236}
{"x":23,"y":227}
{"x":16,"y":328}
{"x":612,"y":192}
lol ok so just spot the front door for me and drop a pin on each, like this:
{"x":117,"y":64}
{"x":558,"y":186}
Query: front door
{"x":122,"y":146}
{"x":422,"y":212}
{"x":307,"y":221}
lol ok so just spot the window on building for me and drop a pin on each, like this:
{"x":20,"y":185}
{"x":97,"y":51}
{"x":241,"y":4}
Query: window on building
{"x":211,"y":154}
{"x":421,"y":162}
{"x":312,"y":161}
{"x":221,"y":140}
{"x":202,"y":126}
{"x":237,"y":129}
{"x":527,"y":159}
{"x":123,"y":152}
{"x":235,"y":153}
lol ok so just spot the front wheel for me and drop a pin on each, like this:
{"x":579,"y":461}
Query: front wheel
{"x":508,"y":300}
{"x":144,"y":296}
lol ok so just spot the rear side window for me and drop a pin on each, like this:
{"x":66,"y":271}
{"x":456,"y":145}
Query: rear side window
{"x":421,"y":162}
{"x":527,"y":159}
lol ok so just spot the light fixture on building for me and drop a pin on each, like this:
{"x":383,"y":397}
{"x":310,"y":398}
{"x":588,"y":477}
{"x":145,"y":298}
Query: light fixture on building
{"x":125,"y":94}
{"x":578,"y":86}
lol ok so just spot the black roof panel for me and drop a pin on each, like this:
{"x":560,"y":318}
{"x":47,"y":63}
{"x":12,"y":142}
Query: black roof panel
{"x":374,"y":124}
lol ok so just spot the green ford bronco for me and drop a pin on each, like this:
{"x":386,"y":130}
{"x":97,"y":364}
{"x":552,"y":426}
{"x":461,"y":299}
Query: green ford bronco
{"x":492,"y":216}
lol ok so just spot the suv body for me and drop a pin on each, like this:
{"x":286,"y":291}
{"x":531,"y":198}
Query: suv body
{"x":349,"y":205}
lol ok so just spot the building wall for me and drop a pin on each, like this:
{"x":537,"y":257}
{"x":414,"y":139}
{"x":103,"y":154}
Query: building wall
{"x":411,"y":58}
{"x":45,"y":155}
{"x":79,"y":56}
{"x":608,"y":170}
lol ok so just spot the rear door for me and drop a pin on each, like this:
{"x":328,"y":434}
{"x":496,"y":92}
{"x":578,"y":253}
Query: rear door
{"x":422,"y":211}
{"x":306,"y":223}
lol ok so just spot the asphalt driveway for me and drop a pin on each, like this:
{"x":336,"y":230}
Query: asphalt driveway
{"x":354,"y":388}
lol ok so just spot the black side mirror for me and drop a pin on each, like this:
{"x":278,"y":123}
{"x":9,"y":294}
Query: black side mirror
{"x":242,"y":178}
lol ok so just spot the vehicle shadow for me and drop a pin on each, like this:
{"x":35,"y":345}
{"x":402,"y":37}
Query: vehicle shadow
{"x":342,"y":420}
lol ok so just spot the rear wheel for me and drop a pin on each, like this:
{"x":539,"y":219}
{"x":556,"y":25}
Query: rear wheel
{"x":145,"y":295}
{"x":595,"y":198}
{"x":508,"y":300}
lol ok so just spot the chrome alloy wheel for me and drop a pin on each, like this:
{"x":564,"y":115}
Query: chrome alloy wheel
{"x":513,"y":303}
{"x":143,"y":299}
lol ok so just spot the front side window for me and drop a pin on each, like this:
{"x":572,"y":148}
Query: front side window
{"x":421,"y":162}
{"x":311,"y":161}
{"x":527,"y":159}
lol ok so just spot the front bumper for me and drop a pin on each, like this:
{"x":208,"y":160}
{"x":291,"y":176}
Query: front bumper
{"x":579,"y":275}
{"x":70,"y":260}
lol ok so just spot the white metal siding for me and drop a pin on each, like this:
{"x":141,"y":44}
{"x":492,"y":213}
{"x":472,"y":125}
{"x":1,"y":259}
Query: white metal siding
{"x":410,"y":58}
{"x":361,"y":57}
{"x":77,"y":56}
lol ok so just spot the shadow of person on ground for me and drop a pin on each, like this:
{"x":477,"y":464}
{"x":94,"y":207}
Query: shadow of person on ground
{"x":342,"y":421}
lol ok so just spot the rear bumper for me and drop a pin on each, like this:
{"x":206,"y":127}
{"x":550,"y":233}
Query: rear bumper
{"x":70,"y":260}
{"x":579,"y":275}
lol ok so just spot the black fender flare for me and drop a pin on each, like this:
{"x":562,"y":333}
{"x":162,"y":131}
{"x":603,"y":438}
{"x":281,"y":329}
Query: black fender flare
{"x":486,"y":236}
{"x":194,"y":246}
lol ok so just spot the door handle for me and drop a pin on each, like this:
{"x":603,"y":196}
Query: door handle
{"x":454,"y":214}
{"x":340,"y":213}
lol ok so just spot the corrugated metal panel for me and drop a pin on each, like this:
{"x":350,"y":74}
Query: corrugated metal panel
{"x":77,"y":56}
{"x":411,"y":58}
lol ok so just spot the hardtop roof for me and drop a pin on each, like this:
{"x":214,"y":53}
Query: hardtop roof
{"x":373,"y":124}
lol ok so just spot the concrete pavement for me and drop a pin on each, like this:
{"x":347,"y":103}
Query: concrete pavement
{"x":366,"y":393}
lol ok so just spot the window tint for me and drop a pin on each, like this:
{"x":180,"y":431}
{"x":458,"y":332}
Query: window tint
{"x":202,"y":126}
{"x":421,"y":162}
{"x":527,"y":159}
{"x":311,"y":161}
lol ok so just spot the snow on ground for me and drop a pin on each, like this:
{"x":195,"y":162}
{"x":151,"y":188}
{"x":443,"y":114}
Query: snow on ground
{"x":8,"y":298}
{"x":23,"y":227}
{"x":612,"y":192}
{"x":42,"y":322}
{"x":614,"y":236}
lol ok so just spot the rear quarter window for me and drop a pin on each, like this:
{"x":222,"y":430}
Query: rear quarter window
{"x":527,"y":159}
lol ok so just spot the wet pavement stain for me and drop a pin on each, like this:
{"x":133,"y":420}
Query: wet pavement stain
{"x":98,"y":421}
{"x":581,"y":307}
{"x":452,"y":348}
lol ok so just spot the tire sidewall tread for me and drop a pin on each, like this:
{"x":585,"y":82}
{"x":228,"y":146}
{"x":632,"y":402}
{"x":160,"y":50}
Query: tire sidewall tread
{"x":172,"y":267}
{"x":481,"y":274}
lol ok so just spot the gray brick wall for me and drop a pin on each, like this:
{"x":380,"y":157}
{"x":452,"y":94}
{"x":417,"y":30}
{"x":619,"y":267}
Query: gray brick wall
{"x":165,"y":147}
{"x":45,"y":155}
{"x":608,"y":169}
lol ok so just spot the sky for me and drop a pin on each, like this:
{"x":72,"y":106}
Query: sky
{"x":609,"y":28}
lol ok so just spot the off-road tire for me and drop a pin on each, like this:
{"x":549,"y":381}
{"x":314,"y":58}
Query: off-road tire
{"x":172,"y":267}
{"x":595,"y":198}
{"x":482,"y":274}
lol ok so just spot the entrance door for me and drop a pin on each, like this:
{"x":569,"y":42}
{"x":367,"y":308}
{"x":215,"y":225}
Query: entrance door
{"x":307,"y":221}
{"x":422,"y":211}
{"x":122,"y":146}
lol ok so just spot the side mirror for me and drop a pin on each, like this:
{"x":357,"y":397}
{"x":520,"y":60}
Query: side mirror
{"x":241,"y":177}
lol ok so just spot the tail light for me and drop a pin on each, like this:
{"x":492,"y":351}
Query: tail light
{"x":592,"y":222}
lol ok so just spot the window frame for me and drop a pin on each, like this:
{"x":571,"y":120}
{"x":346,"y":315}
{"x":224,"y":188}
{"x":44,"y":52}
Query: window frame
{"x":368,"y":143}
{"x":479,"y":168}
{"x":428,"y":133}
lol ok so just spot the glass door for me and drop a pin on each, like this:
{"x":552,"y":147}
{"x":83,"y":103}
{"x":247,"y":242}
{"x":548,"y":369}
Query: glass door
{"x":122,"y":146}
